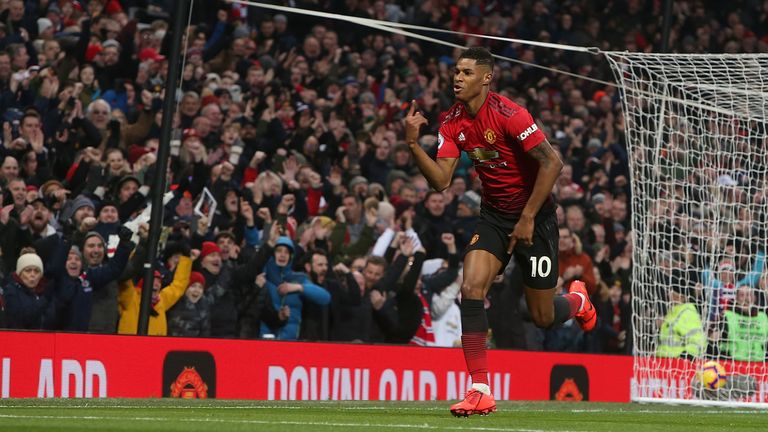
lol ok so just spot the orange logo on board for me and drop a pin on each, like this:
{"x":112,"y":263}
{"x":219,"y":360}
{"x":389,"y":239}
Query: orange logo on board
{"x":569,"y":391}
{"x":189,"y":385}
{"x":490,"y":136}
{"x":474,"y":240}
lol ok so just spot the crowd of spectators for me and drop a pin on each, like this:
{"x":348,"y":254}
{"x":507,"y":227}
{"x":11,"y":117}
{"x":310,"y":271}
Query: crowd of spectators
{"x":323,"y":227}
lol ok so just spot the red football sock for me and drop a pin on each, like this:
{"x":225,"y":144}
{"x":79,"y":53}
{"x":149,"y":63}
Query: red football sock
{"x":473,"y":345}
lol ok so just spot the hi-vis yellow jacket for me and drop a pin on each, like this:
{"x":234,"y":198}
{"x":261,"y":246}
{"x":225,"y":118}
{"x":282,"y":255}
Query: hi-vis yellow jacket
{"x":681,"y":332}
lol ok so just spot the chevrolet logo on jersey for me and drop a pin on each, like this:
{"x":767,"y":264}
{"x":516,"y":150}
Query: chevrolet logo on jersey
{"x":481,"y":154}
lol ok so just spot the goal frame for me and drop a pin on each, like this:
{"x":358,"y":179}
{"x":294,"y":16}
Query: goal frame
{"x":617,"y":60}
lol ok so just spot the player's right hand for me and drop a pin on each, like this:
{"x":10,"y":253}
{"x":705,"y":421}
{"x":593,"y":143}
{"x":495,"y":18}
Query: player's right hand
{"x":413,"y":123}
{"x":523,"y":233}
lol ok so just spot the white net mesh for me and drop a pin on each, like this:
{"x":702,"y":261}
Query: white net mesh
{"x":697,"y":132}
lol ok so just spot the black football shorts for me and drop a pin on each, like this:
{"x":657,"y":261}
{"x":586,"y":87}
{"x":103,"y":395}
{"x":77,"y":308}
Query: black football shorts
{"x":538,"y":261}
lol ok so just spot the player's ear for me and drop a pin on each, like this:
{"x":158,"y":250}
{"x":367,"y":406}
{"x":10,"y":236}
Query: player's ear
{"x":488,"y":77}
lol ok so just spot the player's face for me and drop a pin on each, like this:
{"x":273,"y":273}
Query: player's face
{"x":469,"y":79}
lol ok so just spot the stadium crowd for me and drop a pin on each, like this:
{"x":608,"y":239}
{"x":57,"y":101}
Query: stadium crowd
{"x":323,"y":228}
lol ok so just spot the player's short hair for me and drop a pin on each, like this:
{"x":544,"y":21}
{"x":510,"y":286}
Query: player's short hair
{"x":480,"y":55}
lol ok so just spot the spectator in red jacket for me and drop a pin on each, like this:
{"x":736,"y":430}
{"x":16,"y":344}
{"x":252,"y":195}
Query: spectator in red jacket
{"x":573,"y":262}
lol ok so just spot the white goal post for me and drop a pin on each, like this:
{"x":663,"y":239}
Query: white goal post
{"x":697,"y":138}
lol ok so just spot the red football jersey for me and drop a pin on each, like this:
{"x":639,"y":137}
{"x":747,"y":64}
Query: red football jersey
{"x":496,"y":140}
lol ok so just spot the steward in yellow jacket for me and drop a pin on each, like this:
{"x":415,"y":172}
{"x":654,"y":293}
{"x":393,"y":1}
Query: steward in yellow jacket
{"x":682,"y":333}
{"x":162,"y":299}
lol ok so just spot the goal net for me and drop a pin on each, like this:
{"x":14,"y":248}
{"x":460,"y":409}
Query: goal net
{"x":697,"y":136}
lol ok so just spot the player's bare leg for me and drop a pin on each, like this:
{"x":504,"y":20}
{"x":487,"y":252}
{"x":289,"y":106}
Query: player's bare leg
{"x":480,"y":269}
{"x":548,"y":309}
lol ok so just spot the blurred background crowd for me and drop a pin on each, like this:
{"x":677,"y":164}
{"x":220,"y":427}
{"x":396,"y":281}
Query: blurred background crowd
{"x":323,"y":228}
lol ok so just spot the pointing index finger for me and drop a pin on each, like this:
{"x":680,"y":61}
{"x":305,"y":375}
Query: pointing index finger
{"x":414,"y":107}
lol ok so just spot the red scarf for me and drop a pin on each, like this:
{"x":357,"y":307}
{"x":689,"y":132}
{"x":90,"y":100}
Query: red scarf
{"x":314,"y":197}
{"x":424,"y":334}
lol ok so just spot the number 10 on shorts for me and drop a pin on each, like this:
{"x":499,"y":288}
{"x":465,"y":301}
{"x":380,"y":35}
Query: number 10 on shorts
{"x":540,"y":266}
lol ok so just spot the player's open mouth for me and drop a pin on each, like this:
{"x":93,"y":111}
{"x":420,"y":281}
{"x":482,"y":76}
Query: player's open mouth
{"x":456,"y":89}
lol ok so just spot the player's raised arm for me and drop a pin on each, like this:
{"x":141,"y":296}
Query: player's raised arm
{"x":439,"y":173}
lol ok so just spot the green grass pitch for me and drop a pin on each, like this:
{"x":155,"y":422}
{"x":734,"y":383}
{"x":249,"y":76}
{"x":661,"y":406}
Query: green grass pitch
{"x":225,"y":415}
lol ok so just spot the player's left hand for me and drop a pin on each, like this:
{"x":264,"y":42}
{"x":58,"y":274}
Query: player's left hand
{"x":413,"y":122}
{"x":523,"y":233}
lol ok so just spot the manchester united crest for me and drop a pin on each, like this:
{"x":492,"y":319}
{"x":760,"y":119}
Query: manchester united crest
{"x":490,"y":136}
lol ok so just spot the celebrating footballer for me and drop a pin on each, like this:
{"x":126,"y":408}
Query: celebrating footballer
{"x":518,"y":168}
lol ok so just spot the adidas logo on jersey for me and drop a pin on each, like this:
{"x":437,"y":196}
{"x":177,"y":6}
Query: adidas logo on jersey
{"x":461,"y":136}
{"x":526,"y":133}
